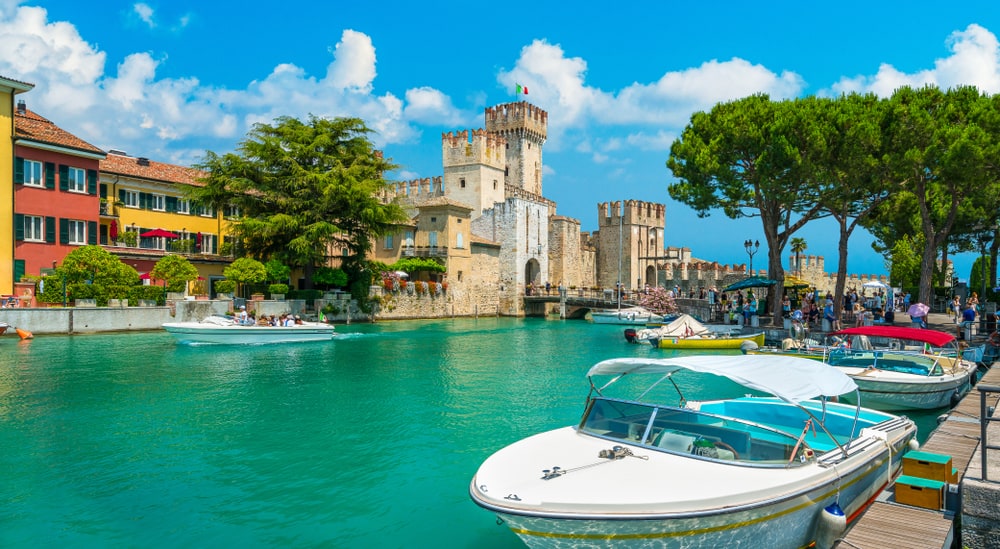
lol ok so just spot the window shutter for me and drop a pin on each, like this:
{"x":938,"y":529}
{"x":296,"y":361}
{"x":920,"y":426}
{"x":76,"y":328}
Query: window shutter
{"x":18,"y":169}
{"x":121,"y":196}
{"x":18,"y":227}
{"x":63,"y":177}
{"x":50,"y":230}
{"x":172,"y":204}
{"x":91,"y":181}
{"x":144,"y":201}
{"x":50,"y":175}
{"x":92,"y":232}
{"x":18,"y":269}
{"x":63,"y":231}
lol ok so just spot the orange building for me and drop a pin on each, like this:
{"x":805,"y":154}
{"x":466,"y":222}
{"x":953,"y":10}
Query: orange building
{"x":55,"y":192}
{"x":8,"y":89}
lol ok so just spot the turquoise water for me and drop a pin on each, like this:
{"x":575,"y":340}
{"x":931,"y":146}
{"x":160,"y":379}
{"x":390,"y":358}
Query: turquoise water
{"x":368,"y":440}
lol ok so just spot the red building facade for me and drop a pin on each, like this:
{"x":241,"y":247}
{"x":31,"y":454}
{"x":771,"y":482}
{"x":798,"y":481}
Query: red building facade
{"x":56,"y":201}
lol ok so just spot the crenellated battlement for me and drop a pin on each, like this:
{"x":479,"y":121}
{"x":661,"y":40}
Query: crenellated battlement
{"x":518,"y":117}
{"x":466,"y":148}
{"x":426,"y":187}
{"x":636,"y":212}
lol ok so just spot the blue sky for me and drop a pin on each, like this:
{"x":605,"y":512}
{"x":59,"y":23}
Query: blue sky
{"x":170,"y":80}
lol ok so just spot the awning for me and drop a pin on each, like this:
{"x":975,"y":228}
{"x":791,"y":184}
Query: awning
{"x":752,"y":282}
{"x":934,"y":337}
{"x":159,"y":232}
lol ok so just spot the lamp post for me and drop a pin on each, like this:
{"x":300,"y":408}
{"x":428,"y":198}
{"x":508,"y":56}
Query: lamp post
{"x":751,"y":247}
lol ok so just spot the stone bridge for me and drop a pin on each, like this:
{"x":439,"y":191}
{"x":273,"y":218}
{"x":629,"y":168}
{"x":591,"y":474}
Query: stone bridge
{"x":570,"y":306}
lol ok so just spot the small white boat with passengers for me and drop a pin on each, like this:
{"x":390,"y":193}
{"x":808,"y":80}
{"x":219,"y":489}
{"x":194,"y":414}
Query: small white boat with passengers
{"x":225,"y":330}
{"x":781,"y":471}
{"x":628,"y":316}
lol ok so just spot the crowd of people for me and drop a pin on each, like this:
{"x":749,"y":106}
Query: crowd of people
{"x":245,"y":318}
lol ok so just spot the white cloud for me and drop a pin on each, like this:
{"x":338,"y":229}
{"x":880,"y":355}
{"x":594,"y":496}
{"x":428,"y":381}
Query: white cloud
{"x":974,"y":60}
{"x":429,"y":105}
{"x":145,"y":13}
{"x":354,"y":62}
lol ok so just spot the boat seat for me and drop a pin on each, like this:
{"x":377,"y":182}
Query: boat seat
{"x":675,"y":440}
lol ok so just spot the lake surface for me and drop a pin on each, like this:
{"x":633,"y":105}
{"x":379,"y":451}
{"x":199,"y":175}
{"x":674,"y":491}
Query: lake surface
{"x":368,"y":440}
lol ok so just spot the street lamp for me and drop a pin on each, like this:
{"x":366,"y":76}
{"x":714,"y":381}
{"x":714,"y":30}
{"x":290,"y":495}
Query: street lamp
{"x":752,"y":248}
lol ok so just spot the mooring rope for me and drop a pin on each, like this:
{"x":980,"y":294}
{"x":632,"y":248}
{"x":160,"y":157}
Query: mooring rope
{"x":614,"y":454}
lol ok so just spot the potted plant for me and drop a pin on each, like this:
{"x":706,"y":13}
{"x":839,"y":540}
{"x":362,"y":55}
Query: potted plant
{"x":225,"y":287}
{"x":278,"y":291}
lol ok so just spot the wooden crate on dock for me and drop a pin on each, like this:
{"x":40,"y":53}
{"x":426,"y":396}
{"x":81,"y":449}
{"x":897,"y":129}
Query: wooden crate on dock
{"x":929,"y":466}
{"x":920,"y":492}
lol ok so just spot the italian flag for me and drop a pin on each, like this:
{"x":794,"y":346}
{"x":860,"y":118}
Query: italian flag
{"x":522,"y":89}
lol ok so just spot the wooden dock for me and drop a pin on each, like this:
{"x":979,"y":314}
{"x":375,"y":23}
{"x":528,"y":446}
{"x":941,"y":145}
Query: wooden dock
{"x":889,"y":524}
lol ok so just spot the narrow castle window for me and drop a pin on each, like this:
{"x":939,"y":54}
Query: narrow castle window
{"x":494,"y":184}
{"x":461,"y":182}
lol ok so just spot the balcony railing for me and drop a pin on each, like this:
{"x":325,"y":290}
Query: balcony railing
{"x":425,"y":251}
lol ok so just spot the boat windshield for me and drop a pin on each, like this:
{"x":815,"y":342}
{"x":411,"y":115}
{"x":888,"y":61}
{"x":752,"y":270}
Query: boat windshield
{"x":899,"y":362}
{"x":761,"y":437}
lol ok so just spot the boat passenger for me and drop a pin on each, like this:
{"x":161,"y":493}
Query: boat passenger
{"x":243,"y":318}
{"x":289,"y":320}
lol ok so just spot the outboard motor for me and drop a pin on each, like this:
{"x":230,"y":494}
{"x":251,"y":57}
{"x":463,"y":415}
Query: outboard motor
{"x":630,"y":335}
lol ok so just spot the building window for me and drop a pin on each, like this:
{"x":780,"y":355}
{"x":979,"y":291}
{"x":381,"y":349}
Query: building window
{"x":494,"y":184}
{"x":157,"y":202}
{"x":459,"y":241}
{"x":208,"y":243}
{"x":206,"y":211}
{"x":461,"y":183}
{"x":408,"y":239}
{"x":231,"y":212}
{"x":132,"y":199}
{"x":34,"y":227}
{"x":33,"y":173}
{"x":388,"y":242}
{"x":77,"y":232}
{"x":432,"y":237}
{"x":434,"y":220}
{"x":183,"y":206}
{"x":77,"y":180}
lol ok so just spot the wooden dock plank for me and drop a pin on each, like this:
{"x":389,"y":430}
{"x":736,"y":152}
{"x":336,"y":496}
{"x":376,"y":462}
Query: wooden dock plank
{"x":889,"y":525}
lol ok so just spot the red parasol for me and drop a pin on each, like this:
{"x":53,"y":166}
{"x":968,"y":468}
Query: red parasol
{"x":144,"y":276}
{"x":113,"y":230}
{"x":158,"y":232}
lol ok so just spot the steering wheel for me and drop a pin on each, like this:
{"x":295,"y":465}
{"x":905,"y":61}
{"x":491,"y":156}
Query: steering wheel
{"x":724,"y":446}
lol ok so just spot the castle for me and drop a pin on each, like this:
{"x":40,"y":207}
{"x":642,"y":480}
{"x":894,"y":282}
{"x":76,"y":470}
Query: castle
{"x":488,"y":218}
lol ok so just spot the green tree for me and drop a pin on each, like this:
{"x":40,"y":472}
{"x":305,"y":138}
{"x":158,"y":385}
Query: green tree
{"x":90,"y":272}
{"x":329,"y":276}
{"x":176,"y":270}
{"x":942,"y":156}
{"x":303,"y":188}
{"x":746,"y":158}
{"x":244,"y":271}
{"x":798,"y":245}
{"x":849,"y":169}
{"x":904,"y":267}
{"x":277,"y":271}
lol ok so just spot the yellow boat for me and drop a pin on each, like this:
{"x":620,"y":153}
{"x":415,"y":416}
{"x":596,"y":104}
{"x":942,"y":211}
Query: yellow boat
{"x":707,"y":342}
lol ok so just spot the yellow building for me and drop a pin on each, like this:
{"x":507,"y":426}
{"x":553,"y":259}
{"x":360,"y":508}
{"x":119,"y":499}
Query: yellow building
{"x":145,"y":214}
{"x":8,"y":89}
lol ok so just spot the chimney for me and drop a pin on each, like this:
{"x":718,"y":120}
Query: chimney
{"x":142,"y":161}
{"x":21,"y":107}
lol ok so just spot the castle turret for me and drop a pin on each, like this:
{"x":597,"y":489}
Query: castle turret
{"x":474,"y":168}
{"x":524,"y":126}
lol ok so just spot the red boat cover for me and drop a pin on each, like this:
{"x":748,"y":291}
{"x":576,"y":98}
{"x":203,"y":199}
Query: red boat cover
{"x":934,"y":337}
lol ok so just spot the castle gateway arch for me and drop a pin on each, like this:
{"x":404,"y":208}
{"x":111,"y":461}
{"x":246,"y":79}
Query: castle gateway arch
{"x":532,"y":273}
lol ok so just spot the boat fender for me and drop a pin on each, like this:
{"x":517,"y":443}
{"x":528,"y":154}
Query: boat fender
{"x":913,"y":444}
{"x":832,"y":524}
{"x":24,"y":334}
{"x":747,"y":346}
{"x":955,"y":398}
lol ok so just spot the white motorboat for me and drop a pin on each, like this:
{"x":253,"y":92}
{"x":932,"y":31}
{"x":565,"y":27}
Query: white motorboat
{"x":895,"y":367}
{"x":781,"y":471}
{"x":225,"y":330}
{"x":628,"y":316}
{"x":904,"y":368}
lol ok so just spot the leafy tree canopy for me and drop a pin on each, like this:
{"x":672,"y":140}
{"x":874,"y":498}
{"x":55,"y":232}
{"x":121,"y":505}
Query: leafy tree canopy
{"x":246,"y":270}
{"x":176,"y":270}
{"x":303,"y":187}
{"x":416,"y":264}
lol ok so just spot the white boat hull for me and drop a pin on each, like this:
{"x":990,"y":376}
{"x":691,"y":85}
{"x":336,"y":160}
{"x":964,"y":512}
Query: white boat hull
{"x":624,"y":317}
{"x":782,"y":517}
{"x":203,"y":332}
{"x":928,"y":393}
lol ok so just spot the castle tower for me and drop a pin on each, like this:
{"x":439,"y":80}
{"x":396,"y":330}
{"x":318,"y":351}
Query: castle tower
{"x":474,"y":168}
{"x":631,"y":239}
{"x":524,"y":126}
